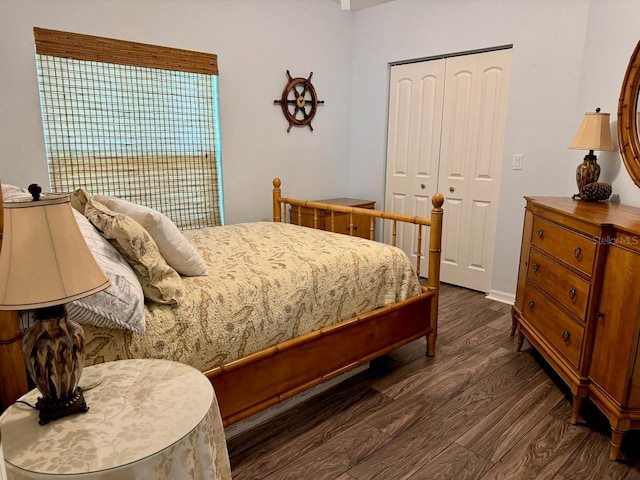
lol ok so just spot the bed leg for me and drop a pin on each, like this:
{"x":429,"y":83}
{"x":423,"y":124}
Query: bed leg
{"x":431,"y":345}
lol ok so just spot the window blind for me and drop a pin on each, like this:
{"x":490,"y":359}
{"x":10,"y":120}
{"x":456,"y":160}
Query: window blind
{"x":132,"y":120}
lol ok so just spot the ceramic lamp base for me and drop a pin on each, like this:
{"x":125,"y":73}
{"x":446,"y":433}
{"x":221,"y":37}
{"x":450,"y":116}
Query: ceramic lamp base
{"x":53,"y":353}
{"x":587,"y":172}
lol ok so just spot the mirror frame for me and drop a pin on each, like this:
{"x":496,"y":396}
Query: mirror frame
{"x":628,"y":135}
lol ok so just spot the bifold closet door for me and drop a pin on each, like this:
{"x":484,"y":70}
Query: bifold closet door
{"x":459,"y":154}
{"x":413,"y":146}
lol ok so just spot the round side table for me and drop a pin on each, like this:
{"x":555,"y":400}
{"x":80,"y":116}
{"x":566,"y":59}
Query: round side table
{"x":147,"y":419}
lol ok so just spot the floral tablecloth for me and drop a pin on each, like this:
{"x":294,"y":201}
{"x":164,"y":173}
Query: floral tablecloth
{"x":147,"y":419}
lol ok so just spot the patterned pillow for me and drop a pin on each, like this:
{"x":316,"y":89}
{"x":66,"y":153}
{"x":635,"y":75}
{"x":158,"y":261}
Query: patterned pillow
{"x":160,"y":283}
{"x":121,"y":304}
{"x":173,"y":245}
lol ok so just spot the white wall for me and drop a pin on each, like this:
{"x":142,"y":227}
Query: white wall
{"x":569,"y":56}
{"x":553,"y":82}
{"x":612,"y":34}
{"x":256,"y":42}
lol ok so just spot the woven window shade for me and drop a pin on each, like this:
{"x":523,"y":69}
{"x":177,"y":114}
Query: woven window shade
{"x":132,"y":120}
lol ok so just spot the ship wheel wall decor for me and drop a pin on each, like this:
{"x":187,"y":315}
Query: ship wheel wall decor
{"x":299,"y":101}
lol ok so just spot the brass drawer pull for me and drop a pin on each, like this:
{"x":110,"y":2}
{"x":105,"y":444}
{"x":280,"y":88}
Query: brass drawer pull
{"x":572,"y":293}
{"x":577,"y":252}
{"x":531,"y":304}
{"x":540,"y":233}
{"x":536,"y":267}
{"x":599,"y":314}
{"x":565,"y":336}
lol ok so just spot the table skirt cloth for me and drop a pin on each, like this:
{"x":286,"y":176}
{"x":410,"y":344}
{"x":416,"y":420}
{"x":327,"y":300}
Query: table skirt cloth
{"x":147,"y":419}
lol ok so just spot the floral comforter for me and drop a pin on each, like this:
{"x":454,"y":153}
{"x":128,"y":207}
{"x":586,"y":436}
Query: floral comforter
{"x":267,"y":283}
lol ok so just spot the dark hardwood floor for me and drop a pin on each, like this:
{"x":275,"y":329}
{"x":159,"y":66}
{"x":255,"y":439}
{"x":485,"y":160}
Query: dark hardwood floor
{"x":477,"y":410}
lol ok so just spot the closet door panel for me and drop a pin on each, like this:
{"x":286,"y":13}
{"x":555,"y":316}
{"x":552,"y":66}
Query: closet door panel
{"x":413,"y":145}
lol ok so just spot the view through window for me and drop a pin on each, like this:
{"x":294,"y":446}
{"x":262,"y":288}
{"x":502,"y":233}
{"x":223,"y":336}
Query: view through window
{"x":132,"y":120}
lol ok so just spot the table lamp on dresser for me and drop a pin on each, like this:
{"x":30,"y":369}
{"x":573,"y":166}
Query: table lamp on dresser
{"x":44,"y":264}
{"x":594,"y":134}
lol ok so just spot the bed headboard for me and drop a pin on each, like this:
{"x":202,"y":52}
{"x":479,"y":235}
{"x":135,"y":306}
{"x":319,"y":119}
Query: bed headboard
{"x":14,"y":377}
{"x":434,"y":221}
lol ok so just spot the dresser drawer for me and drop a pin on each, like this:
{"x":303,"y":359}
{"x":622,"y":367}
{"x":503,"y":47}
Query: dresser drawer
{"x":566,"y":245}
{"x":566,"y":287}
{"x":559,"y":329}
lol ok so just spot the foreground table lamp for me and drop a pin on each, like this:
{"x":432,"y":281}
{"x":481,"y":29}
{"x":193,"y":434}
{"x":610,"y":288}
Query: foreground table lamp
{"x":44,"y":264}
{"x":594,"y":134}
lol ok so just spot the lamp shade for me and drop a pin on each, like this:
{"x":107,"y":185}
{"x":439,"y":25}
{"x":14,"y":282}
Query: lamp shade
{"x":594,"y":133}
{"x":44,"y":259}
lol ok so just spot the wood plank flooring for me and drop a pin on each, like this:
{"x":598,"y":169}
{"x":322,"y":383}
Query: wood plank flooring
{"x":477,"y":410}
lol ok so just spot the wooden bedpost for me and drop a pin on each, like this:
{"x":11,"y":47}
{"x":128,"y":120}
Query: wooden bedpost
{"x":13,"y":376}
{"x":12,"y":371}
{"x":277,"y":207}
{"x":433,"y":279}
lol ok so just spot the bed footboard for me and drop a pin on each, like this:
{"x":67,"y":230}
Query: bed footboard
{"x":256,"y":382}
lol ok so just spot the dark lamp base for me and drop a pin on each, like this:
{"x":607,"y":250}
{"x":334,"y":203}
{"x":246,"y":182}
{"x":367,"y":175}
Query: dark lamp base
{"x":587,"y":172}
{"x":54,"y":408}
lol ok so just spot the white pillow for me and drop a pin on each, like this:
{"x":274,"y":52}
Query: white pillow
{"x":13,"y":192}
{"x":173,"y":245}
{"x":121,"y":304}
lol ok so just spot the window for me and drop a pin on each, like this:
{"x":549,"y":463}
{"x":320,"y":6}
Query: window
{"x":132,"y":120}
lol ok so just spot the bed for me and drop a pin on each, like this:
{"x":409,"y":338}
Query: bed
{"x":287,"y":329}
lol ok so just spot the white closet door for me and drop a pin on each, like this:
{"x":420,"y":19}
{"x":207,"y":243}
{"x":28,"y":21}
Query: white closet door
{"x":474,"y":121}
{"x":446,"y":133}
{"x":413,"y":146}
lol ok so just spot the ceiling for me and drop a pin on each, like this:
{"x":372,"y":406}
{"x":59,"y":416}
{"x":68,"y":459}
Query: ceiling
{"x":354,"y":5}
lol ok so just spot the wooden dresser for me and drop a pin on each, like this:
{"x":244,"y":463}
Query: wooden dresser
{"x":578,"y":302}
{"x":341,"y":221}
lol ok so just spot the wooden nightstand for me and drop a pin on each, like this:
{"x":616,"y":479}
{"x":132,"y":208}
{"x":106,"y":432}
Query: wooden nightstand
{"x":341,"y":222}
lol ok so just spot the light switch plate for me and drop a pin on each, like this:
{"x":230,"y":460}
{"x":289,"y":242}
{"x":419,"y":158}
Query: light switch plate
{"x":517,"y":161}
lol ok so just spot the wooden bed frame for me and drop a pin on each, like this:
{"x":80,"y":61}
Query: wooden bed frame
{"x":253,"y":383}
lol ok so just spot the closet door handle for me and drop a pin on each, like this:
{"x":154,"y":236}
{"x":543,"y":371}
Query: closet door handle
{"x":572,"y":293}
{"x":577,"y":252}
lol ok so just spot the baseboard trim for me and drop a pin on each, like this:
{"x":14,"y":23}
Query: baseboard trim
{"x":502,"y":297}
